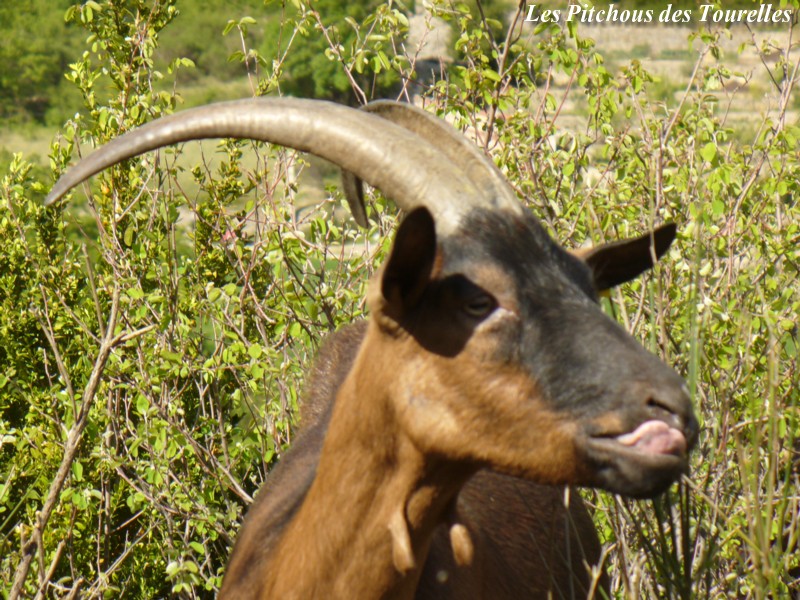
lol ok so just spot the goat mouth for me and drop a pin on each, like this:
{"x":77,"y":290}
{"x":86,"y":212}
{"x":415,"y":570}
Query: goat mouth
{"x":655,"y":437}
{"x":652,"y":438}
{"x":640,"y":463}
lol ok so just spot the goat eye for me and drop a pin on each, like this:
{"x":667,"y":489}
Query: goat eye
{"x":480,"y":306}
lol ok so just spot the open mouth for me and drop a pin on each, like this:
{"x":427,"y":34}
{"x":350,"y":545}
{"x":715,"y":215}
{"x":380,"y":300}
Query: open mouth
{"x":641,"y":463}
{"x":655,"y":437}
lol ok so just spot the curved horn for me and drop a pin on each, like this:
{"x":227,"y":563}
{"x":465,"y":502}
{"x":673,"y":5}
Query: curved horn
{"x":405,"y":167}
{"x":474,"y":164}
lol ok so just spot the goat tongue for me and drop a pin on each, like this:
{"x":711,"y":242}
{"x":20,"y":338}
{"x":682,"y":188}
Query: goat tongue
{"x":655,"y":437}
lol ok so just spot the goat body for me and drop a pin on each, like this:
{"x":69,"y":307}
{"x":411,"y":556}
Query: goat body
{"x":398,"y":483}
{"x":486,"y":370}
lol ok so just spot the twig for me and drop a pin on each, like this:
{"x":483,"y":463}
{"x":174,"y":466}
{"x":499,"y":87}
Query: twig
{"x":49,"y":575}
{"x":72,"y":444}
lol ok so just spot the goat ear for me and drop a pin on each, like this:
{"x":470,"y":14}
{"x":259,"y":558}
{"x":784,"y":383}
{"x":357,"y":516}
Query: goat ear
{"x":618,"y":262}
{"x":410,"y":266}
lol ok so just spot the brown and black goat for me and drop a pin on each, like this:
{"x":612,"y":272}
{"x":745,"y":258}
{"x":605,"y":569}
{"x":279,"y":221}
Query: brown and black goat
{"x":486,"y":369}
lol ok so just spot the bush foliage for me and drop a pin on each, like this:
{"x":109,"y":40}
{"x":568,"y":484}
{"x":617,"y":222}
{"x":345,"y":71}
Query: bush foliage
{"x":153,"y":341}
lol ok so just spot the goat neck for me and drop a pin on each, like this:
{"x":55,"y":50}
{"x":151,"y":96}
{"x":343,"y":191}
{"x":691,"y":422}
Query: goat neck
{"x":375,"y":500}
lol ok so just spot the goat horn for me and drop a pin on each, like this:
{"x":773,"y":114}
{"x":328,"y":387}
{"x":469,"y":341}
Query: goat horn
{"x":387,"y":156}
{"x":474,"y":164}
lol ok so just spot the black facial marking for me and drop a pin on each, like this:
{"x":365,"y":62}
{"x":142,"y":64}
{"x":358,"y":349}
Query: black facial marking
{"x":575,"y":352}
{"x":540,"y":267}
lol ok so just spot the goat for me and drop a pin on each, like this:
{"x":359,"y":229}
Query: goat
{"x":486,"y":371}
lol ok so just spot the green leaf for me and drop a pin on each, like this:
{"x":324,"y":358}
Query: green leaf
{"x":708,"y":152}
{"x":127,"y":237}
{"x":77,"y":471}
{"x":198,"y":547}
{"x":173,"y":357}
{"x":491,"y":75}
{"x":135,"y":293}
